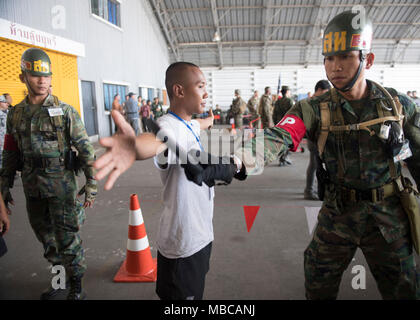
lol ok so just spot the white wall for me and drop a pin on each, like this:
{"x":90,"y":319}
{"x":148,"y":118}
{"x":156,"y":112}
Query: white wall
{"x":222,"y":83}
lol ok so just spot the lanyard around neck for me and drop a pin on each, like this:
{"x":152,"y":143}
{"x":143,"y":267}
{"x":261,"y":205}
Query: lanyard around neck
{"x":188,"y":126}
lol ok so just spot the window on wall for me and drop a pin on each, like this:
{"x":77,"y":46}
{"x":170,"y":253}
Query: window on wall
{"x":108,"y":10}
{"x":147,"y":93}
{"x":110,"y":90}
{"x":150,"y":93}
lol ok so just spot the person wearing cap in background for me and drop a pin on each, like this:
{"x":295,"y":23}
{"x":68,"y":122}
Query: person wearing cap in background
{"x":237,"y":108}
{"x":253,"y":109}
{"x":132,"y":112}
{"x":362,"y":130}
{"x":265,"y":109}
{"x":40,"y":132}
{"x":9,"y":99}
{"x":280,"y":109}
{"x":321,"y":87}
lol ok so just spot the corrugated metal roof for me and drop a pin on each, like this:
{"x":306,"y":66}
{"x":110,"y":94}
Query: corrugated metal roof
{"x":278,"y":32}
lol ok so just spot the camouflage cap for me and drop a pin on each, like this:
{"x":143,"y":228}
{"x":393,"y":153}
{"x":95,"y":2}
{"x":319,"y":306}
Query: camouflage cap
{"x":285,"y":88}
{"x":3,"y":98}
{"x":348,"y":31}
{"x":36,"y":62}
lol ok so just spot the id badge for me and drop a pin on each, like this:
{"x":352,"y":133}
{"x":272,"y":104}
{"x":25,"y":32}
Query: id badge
{"x":54,"y":112}
{"x":384,"y":132}
{"x":404,"y":153}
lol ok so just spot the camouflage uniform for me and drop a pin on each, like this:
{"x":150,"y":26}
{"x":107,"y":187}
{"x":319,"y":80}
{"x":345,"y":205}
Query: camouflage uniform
{"x":281,"y":107}
{"x":3,"y":117}
{"x":238,"y":105}
{"x":252,"y":108}
{"x":50,"y":189}
{"x":265,"y":111}
{"x":379,"y":228}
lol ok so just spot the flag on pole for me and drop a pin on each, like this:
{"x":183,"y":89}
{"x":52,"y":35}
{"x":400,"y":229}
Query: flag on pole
{"x":279,"y":85}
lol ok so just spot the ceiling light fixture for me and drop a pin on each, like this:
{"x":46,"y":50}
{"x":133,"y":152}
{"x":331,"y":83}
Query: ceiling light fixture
{"x":216,"y":37}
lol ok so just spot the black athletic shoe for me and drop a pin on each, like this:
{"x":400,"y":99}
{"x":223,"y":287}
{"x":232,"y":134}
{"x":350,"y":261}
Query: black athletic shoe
{"x":76,"y":292}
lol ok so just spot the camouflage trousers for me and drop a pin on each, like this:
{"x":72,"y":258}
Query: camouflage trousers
{"x":239,"y":121}
{"x":333,"y":247}
{"x":56,"y":223}
{"x":257,"y":123}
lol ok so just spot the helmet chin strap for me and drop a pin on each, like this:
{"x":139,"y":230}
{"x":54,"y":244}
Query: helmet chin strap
{"x":30,"y":90}
{"x":351,"y":83}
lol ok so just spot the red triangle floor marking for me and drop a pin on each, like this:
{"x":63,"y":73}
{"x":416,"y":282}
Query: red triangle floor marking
{"x":250,"y":214}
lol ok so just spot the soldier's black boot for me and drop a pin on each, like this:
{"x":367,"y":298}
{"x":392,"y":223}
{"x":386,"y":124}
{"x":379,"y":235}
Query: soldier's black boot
{"x":50,"y":292}
{"x":76,"y":292}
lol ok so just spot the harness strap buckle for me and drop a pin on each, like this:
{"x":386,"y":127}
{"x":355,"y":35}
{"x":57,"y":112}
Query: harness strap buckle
{"x":354,"y":127}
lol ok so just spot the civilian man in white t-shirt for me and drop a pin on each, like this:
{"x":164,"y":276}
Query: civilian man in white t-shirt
{"x":185,"y":231}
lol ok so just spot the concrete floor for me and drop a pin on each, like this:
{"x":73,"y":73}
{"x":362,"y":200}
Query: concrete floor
{"x":266,"y":263}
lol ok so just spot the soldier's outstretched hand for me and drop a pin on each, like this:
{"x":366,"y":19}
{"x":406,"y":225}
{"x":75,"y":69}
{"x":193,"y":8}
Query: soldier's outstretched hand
{"x":120,"y":154}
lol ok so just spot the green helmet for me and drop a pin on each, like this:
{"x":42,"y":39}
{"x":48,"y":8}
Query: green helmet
{"x":347,"y":31}
{"x":36,"y":62}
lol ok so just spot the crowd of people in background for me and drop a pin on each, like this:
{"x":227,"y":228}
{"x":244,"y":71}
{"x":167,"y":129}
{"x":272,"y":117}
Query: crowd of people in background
{"x":259,"y":112}
{"x":137,"y":110}
{"x":414,"y":97}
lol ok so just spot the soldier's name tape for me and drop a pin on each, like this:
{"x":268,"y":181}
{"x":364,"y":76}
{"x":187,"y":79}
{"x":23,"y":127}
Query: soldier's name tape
{"x":54,"y":112}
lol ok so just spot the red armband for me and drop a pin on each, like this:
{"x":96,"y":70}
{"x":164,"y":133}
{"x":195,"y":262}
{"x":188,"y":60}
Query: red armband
{"x":295,"y":126}
{"x":10,"y":143}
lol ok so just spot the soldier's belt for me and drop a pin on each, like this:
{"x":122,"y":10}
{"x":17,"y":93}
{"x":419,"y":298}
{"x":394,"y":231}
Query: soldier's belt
{"x":42,"y":163}
{"x":373,"y":195}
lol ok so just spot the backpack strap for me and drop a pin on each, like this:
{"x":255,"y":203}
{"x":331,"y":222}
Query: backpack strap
{"x":325,"y":125}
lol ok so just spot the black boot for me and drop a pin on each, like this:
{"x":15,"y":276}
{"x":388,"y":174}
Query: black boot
{"x":50,"y":292}
{"x":76,"y":292}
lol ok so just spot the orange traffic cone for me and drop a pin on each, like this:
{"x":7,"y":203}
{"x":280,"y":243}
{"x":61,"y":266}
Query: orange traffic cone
{"x":233,"y":130}
{"x":139,"y":266}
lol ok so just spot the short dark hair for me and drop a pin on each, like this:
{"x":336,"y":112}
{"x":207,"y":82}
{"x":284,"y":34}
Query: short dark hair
{"x":173,"y":72}
{"x":323,"y":85}
{"x":266,"y":89}
{"x":131,"y":94}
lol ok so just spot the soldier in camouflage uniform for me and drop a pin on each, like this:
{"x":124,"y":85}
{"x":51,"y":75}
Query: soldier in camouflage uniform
{"x":282,"y":105}
{"x":4,"y":108}
{"x":238,"y":108}
{"x":265,"y":109}
{"x":40,"y":133}
{"x":361,"y":205}
{"x":253,"y":109}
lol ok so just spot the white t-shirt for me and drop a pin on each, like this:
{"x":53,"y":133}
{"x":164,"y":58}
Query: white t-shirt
{"x":186,"y":224}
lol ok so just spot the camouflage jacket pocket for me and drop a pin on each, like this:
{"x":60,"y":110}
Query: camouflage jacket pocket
{"x":46,"y":140}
